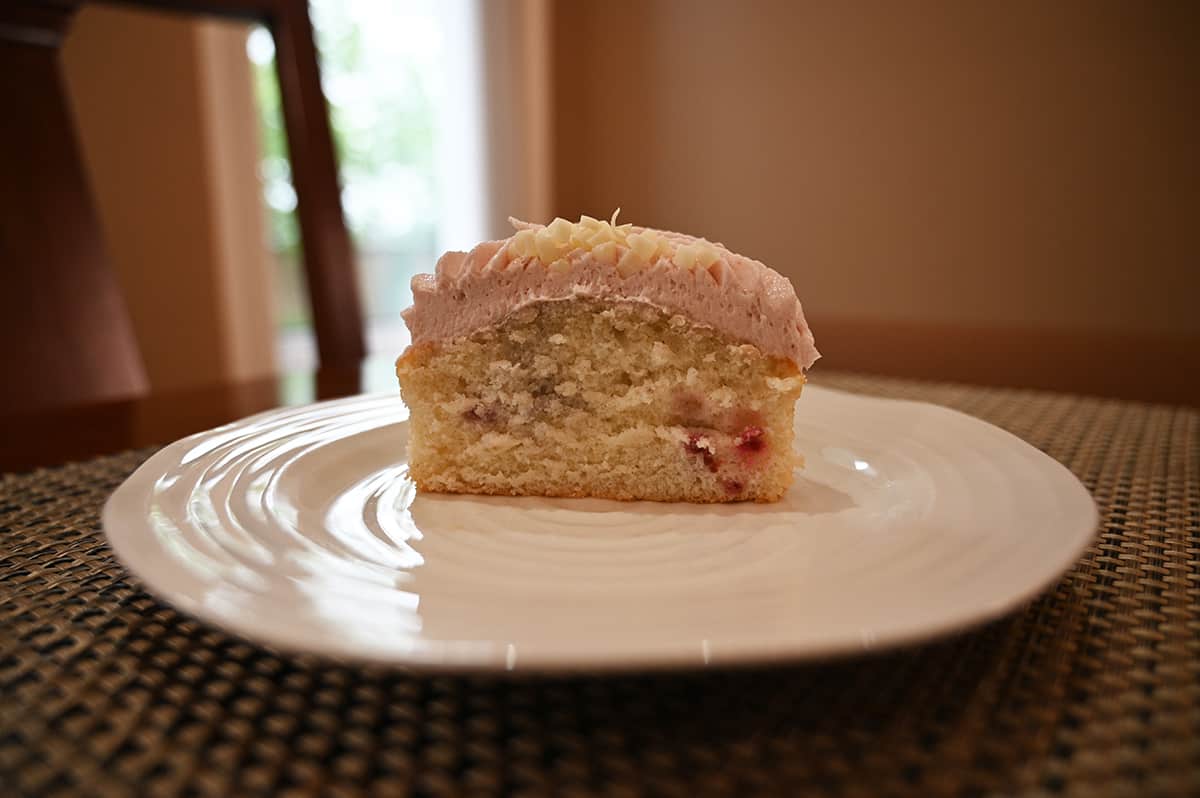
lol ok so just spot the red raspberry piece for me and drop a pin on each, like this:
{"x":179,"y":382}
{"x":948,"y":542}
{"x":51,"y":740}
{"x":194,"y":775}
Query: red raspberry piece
{"x":751,"y":440}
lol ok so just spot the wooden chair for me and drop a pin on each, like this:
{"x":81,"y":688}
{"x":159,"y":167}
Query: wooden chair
{"x":66,"y":332}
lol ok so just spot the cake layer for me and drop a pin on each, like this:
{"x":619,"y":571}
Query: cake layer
{"x":705,"y":282}
{"x":614,"y":399}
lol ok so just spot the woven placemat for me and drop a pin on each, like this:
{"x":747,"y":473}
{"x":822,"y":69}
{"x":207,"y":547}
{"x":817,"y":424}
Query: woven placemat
{"x":1094,"y":689}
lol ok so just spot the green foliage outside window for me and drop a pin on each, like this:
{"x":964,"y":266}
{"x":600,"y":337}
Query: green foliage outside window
{"x":383,"y":120}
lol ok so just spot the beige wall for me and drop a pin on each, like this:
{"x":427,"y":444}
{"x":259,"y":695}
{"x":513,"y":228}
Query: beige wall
{"x":165,"y":112}
{"x":996,"y":165}
{"x":516,"y":40}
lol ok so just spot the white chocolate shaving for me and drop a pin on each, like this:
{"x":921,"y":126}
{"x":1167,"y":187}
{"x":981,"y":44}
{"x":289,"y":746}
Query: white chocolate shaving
{"x":643,"y":245}
{"x":630,"y":263}
{"x":606,"y":253}
{"x":546,"y":246}
{"x":685,"y":256}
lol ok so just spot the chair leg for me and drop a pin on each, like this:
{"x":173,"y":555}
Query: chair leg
{"x":328,"y":255}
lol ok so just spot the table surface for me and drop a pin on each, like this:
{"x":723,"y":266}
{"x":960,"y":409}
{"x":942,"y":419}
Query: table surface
{"x":1092,"y":689}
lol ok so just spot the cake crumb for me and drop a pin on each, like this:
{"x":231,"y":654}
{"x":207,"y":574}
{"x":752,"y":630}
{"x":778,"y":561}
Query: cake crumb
{"x":785,"y":384}
{"x":660,"y":354}
{"x":723,"y":397}
{"x":498,"y":440}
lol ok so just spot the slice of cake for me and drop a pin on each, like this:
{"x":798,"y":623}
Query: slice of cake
{"x":596,"y":359}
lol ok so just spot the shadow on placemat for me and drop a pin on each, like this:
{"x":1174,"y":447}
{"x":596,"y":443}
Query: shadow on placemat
{"x":1094,"y":689}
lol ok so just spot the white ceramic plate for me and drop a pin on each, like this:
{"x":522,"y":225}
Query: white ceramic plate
{"x":299,"y":528}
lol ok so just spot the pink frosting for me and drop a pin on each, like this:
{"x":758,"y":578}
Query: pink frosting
{"x":737,"y":296}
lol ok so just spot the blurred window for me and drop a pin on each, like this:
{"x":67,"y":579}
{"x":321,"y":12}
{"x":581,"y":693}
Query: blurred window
{"x":403,"y":82}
